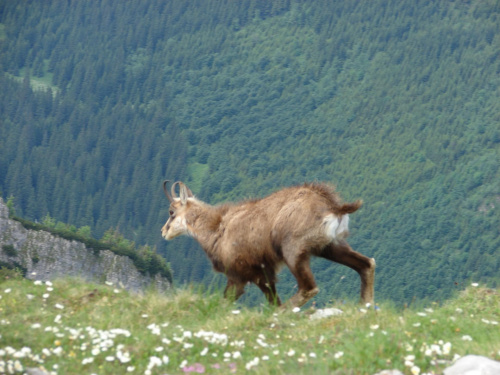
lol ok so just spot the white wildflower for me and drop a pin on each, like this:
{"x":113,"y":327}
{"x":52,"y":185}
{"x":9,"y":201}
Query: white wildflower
{"x":436,"y":349}
{"x":123,"y":357}
{"x":262,"y":343}
{"x":18,"y":367}
{"x":374,"y":326}
{"x":57,"y":351}
{"x":291,"y":353}
{"x":410,"y":358}
{"x":154,"y":362}
{"x":155,"y":329}
{"x":235,"y":312}
{"x":415,"y":370}
{"x":86,"y":361}
{"x":296,"y":309}
{"x":466,"y":338}
{"x":265,"y":358}
{"x":254,"y":362}
{"x":212,"y":337}
{"x":338,"y":355}
{"x":447,"y":348}
{"x":475,"y":285}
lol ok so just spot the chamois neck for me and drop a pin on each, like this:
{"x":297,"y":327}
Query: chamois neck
{"x":204,"y":223}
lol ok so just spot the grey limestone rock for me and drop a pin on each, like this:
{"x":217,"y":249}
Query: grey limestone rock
{"x":45,"y":257}
{"x":474,"y":365}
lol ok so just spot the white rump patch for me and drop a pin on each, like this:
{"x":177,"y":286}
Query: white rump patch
{"x":336,"y":227}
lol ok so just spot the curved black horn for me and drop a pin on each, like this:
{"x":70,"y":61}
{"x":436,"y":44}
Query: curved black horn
{"x":166,"y":191}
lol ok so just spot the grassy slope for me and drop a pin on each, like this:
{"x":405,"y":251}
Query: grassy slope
{"x":71,"y":328}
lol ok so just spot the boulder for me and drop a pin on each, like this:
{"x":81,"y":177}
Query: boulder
{"x":473,"y":365}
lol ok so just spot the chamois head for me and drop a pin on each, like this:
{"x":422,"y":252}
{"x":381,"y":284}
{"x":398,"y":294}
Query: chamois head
{"x":176,"y":224}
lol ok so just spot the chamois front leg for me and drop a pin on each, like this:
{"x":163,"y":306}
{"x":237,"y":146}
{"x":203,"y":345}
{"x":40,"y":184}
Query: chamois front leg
{"x":234,"y":290}
{"x":342,"y":253}
{"x":269,"y":290}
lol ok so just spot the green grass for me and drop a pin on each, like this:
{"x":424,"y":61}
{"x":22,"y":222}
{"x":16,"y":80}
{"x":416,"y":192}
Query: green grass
{"x":72,"y":327}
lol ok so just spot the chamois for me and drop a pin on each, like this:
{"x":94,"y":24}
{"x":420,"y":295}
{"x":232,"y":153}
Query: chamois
{"x":250,"y":240}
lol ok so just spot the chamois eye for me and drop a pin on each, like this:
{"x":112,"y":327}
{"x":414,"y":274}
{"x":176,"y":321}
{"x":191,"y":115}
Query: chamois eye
{"x":171,"y":213}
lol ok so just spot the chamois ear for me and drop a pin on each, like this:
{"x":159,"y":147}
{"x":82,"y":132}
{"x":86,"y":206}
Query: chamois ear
{"x":184,"y":193}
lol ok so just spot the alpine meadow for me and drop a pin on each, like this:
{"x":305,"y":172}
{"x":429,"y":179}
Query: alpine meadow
{"x":396,"y":103}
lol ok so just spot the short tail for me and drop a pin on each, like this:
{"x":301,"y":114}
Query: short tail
{"x":349,"y":208}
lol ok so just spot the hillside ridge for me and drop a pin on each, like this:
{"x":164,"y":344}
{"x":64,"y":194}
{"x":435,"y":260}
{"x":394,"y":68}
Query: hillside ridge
{"x":41,"y":255}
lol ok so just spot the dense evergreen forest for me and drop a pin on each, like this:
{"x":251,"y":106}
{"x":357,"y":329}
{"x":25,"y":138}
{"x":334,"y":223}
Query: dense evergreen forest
{"x":395,"y":102}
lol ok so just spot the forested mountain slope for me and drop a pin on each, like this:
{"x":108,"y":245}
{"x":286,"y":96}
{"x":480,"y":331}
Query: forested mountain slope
{"x":397,"y":103}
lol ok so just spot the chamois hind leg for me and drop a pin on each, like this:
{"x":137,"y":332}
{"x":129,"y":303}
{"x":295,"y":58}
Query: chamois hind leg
{"x":269,"y":289}
{"x":342,"y":253}
{"x":300,"y":268}
{"x":234,"y":290}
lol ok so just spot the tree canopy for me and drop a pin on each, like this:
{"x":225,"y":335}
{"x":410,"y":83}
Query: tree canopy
{"x":395,"y":102}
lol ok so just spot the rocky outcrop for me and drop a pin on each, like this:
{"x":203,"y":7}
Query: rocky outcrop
{"x":44,"y":256}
